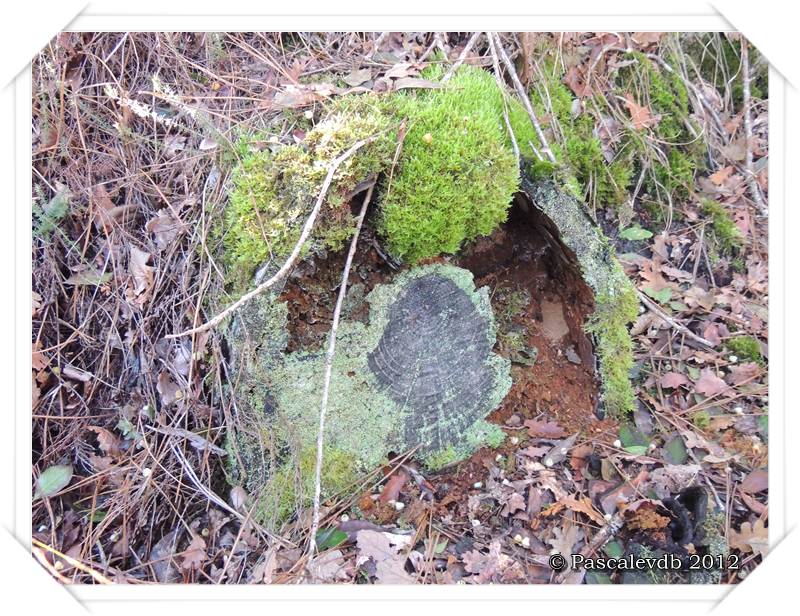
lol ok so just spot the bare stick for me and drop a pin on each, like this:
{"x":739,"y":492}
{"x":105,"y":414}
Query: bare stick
{"x":462,"y":56}
{"x":526,"y":101}
{"x":672,"y":322}
{"x":502,"y":87}
{"x":326,"y":386}
{"x":755,"y":189}
{"x":295,"y":252}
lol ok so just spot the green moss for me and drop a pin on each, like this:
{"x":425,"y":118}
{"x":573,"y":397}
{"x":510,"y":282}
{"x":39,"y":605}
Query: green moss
{"x":272,"y":193}
{"x":680,"y":152}
{"x":725,"y":234}
{"x":609,"y":324}
{"x":457,"y":175}
{"x":581,"y":163}
{"x":746,"y":348}
{"x":291,"y":486}
{"x":440,"y":459}
{"x":701,"y":419}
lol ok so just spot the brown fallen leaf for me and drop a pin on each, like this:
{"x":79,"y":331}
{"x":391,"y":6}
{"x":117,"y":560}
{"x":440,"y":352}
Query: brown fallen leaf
{"x":383,"y":549}
{"x":709,"y":384}
{"x":393,"y":486}
{"x":169,"y":389}
{"x":670,"y":380}
{"x":750,"y":538}
{"x":544,"y":429}
{"x":194,"y":555}
{"x":583,"y":505}
{"x":108,"y":441}
{"x":164,"y":229}
{"x":406,"y":83}
{"x":756,"y":481}
{"x":721,"y":175}
{"x":141,"y":273}
{"x":640,"y":116}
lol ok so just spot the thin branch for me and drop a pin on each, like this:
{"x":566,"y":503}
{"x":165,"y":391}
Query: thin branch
{"x":502,"y":87}
{"x":526,"y":101}
{"x":287,"y":266}
{"x":755,"y":189}
{"x":462,"y":56}
{"x":672,"y":322}
{"x":326,"y":387}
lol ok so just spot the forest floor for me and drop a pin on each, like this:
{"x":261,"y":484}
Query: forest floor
{"x":131,"y":134}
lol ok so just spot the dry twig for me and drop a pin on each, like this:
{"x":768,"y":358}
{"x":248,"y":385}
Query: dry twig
{"x":326,"y":386}
{"x":672,"y":322}
{"x":522,"y":95}
{"x":755,"y":190}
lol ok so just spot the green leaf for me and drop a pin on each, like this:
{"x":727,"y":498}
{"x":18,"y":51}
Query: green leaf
{"x":675,"y":450}
{"x":637,"y":450}
{"x":635,"y":233}
{"x":53,"y":480}
{"x":98,"y":516}
{"x":662,"y":296}
{"x":329,"y":538}
{"x":678,"y":306}
{"x":631,"y":436}
{"x":613,"y":549}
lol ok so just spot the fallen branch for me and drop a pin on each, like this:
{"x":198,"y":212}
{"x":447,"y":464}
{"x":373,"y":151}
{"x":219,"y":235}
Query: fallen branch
{"x":287,"y":266}
{"x":462,"y":56}
{"x":326,"y":387}
{"x":672,"y":322}
{"x":755,"y":189}
{"x":526,"y":101}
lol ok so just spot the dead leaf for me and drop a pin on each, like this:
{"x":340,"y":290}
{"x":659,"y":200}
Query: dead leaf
{"x":709,"y":384}
{"x":107,"y":441}
{"x":141,"y":273}
{"x":356,"y":78}
{"x":406,"y":83}
{"x":393,"y":486}
{"x":328,"y":567}
{"x":195,"y":555}
{"x":583,"y":505}
{"x":494,"y":566}
{"x":640,"y":116}
{"x":164,"y":229}
{"x":743,"y":373}
{"x":169,"y":389}
{"x":756,"y":481}
{"x":173,"y":144}
{"x":383,"y":548}
{"x":565,"y":539}
{"x":671,"y":380}
{"x":721,"y":175}
{"x":544,"y":429}
{"x":750,"y":538}
{"x":515,"y":503}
